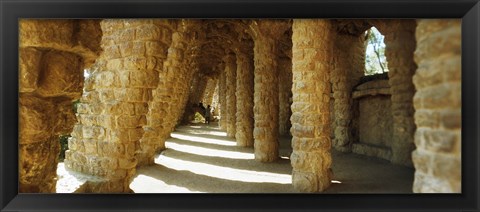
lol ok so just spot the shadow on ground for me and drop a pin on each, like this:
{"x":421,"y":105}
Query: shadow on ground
{"x":200,"y":158}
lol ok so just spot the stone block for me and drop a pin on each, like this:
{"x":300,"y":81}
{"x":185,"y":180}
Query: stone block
{"x":30,"y":60}
{"x":135,"y":63}
{"x":35,"y":124}
{"x":50,"y":33}
{"x":126,"y":121}
{"x":451,"y":119}
{"x":148,"y":32}
{"x":89,"y":97}
{"x":126,"y":35}
{"x":62,"y":75}
{"x":157,"y":49}
{"x":37,"y":166}
{"x":304,"y":181}
{"x":113,"y":52}
{"x":440,"y":140}
{"x":124,"y":163}
{"x":311,"y":144}
{"x":427,"y":118}
{"x":111,"y":149}
{"x":90,"y":146}
{"x":93,"y":132}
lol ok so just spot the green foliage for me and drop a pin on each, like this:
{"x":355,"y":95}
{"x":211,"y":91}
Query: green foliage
{"x":63,"y":146}
{"x":199,"y":117}
{"x":375,"y":60}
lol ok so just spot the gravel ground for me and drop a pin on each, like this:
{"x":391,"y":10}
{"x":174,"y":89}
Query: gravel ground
{"x":201,"y":159}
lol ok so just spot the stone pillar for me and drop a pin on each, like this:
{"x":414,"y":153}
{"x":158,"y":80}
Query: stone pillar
{"x":266,"y":88}
{"x":52,"y":56}
{"x":438,"y":104}
{"x":222,"y":93}
{"x":209,"y":91}
{"x":231,"y":84}
{"x":185,"y":101}
{"x":284,"y":94}
{"x":216,"y":98}
{"x":400,"y":45}
{"x":114,"y":106}
{"x":168,"y":96}
{"x":348,"y":56}
{"x":196,"y":91}
{"x":312,"y":52}
{"x":244,"y":94}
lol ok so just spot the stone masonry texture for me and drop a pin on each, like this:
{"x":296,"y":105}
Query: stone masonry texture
{"x":312,"y":62}
{"x":244,"y":93}
{"x":266,"y":88}
{"x":52,"y":56}
{"x":264,"y":78}
{"x":113,"y":108}
{"x":437,"y":102}
{"x":230,"y":77}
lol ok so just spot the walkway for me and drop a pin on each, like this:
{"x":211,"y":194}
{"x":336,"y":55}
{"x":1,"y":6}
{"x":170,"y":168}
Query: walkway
{"x":200,"y":158}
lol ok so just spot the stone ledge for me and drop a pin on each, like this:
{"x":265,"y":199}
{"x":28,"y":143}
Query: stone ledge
{"x":372,"y":151}
{"x":72,"y":181}
{"x":372,"y":88}
{"x":371,"y":92}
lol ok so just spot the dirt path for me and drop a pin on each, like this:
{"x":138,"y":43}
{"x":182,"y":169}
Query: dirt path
{"x":200,"y":158}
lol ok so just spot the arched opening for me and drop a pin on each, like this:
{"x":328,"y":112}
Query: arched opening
{"x":375,"y":59}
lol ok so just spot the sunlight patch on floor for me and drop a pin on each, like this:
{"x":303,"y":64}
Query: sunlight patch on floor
{"x":202,"y":139}
{"x":203,"y":132}
{"x":209,"y":152}
{"x":223,"y":172}
{"x":147,"y":184}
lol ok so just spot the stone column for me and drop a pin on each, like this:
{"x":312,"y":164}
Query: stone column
{"x":438,"y":104}
{"x":196,"y":91}
{"x":216,"y":98}
{"x":52,"y":57}
{"x":312,"y":53}
{"x":230,"y":77}
{"x":209,"y":91}
{"x":266,"y":88}
{"x":113,"y":109}
{"x":168,"y":96}
{"x":244,"y":94}
{"x":284,"y":94}
{"x":348,"y":55}
{"x":400,"y":45}
{"x":190,"y":70}
{"x":222,"y":93}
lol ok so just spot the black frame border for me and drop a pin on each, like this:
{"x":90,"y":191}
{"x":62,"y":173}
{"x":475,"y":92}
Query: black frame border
{"x":12,"y":10}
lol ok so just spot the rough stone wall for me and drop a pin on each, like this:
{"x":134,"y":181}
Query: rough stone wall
{"x":437,"y":103}
{"x":244,"y":93}
{"x":312,"y":61}
{"x":400,"y":46}
{"x":209,"y":91}
{"x":284,"y":94}
{"x":231,"y":84}
{"x":222,"y":100}
{"x":375,"y":121}
{"x":114,"y":106}
{"x":52,"y":56}
{"x":342,"y":89}
{"x":266,"y":88}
